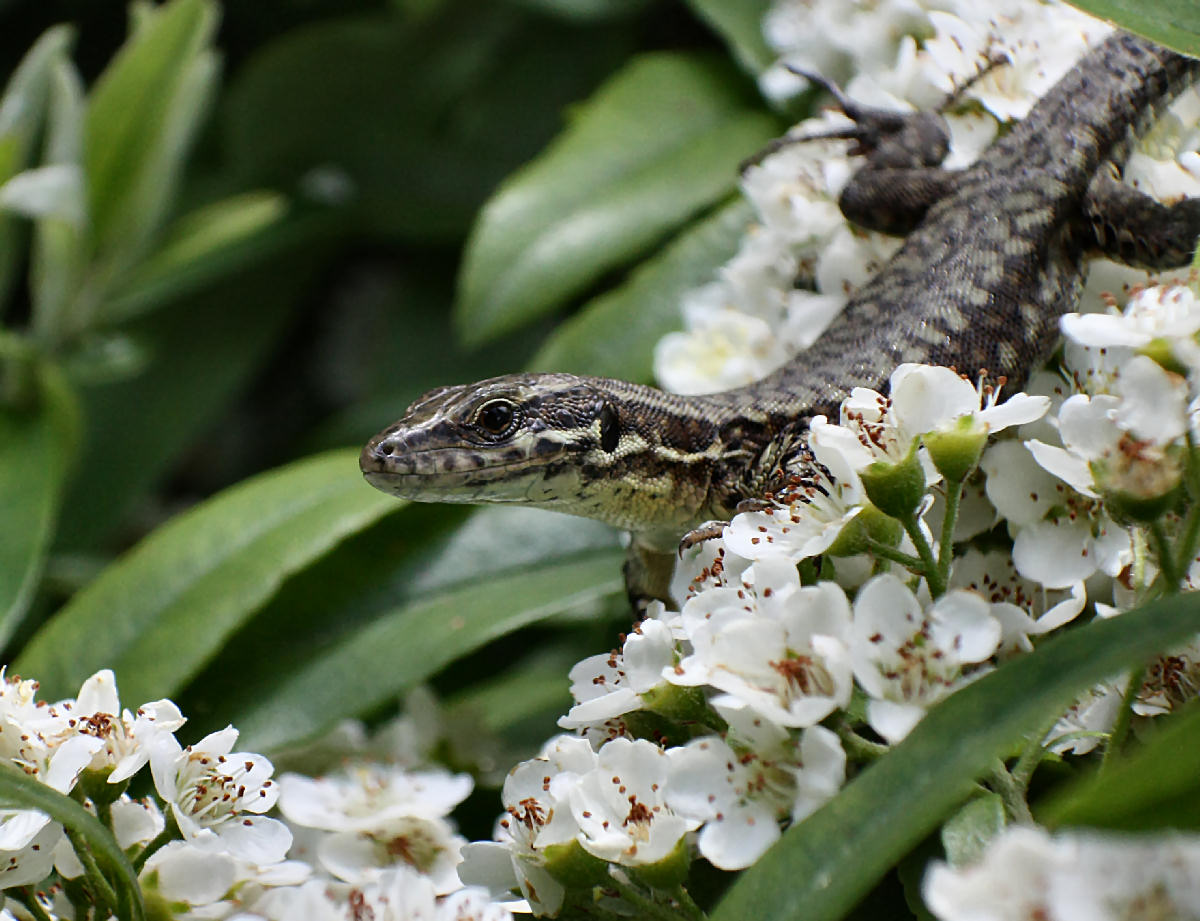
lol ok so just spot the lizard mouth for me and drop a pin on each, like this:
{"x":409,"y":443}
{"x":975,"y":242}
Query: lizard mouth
{"x":454,"y":474}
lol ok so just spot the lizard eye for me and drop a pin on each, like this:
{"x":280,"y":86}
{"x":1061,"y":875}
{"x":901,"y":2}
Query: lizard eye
{"x":496,"y":417}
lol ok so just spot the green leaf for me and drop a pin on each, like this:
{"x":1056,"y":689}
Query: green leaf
{"x":824,"y":865}
{"x":37,"y":447}
{"x":1156,"y":786}
{"x":210,"y":241}
{"x":159,"y":613}
{"x":614,"y":335}
{"x":1175,"y":23}
{"x":410,"y":643}
{"x":967,"y":833}
{"x":141,"y":116}
{"x":741,"y":25}
{"x":20,"y":791}
{"x":658,"y":143}
{"x":59,"y":258}
{"x":22,"y":110}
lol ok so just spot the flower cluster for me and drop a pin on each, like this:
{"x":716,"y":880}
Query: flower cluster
{"x":370,"y":839}
{"x":924,"y":537}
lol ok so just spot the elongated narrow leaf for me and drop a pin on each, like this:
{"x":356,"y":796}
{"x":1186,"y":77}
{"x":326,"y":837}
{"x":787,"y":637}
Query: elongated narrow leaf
{"x":820,"y":868}
{"x":614,"y":335}
{"x":144,"y":105}
{"x":36,"y":449}
{"x":164,"y":609}
{"x":741,"y":25}
{"x":411,"y":643}
{"x":20,"y":791}
{"x":1157,"y":785}
{"x":655,"y":145}
{"x":22,"y":111}
{"x":1175,"y":23}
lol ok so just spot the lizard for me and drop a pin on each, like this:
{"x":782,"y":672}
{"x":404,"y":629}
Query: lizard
{"x":993,"y":254}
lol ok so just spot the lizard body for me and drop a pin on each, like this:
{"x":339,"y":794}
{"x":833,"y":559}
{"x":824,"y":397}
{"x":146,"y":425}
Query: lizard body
{"x":993,"y":256}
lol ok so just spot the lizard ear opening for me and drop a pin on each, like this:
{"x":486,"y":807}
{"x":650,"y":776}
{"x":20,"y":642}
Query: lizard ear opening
{"x":610,"y":427}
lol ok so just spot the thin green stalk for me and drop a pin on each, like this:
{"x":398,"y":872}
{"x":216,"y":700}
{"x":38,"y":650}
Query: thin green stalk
{"x":929,"y":566}
{"x":647,"y":906}
{"x":1011,"y":792}
{"x":26,"y":896}
{"x":858,"y":748}
{"x":169,"y":833}
{"x":1032,"y":756}
{"x":882,"y":550}
{"x":1166,"y":559}
{"x":1189,"y":542}
{"x":954,"y":491}
{"x":1116,"y":740}
{"x":688,"y":904}
{"x":98,"y":883}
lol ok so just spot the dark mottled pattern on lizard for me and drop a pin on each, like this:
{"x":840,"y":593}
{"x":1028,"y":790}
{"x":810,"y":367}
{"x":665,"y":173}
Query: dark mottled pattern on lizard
{"x":992,"y":258}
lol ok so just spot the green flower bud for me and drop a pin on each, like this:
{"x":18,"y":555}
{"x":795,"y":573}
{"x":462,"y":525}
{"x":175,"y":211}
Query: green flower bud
{"x":895,"y":489}
{"x":683,"y":705}
{"x":957,"y":450}
{"x":669,"y":872}
{"x":868,"y":525}
{"x":574,"y":867}
{"x":1140,"y":485}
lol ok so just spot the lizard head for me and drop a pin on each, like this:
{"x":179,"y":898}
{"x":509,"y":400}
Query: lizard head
{"x":525,"y":438}
{"x":582,"y":445}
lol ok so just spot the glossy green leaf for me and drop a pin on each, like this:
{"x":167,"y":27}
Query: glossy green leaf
{"x":414,"y":119}
{"x":741,"y":25}
{"x":37,"y":447}
{"x":59,"y":257}
{"x":1175,"y":23}
{"x":410,"y":643}
{"x":141,"y":116}
{"x":21,"y":791}
{"x":1156,"y":785}
{"x":584,"y":10}
{"x":824,"y":865}
{"x":22,"y":111}
{"x":164,"y":609}
{"x":614,"y":335}
{"x":658,"y":143}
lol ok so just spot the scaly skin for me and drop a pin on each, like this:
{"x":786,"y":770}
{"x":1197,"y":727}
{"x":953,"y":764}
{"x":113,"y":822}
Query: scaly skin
{"x":993,"y":257}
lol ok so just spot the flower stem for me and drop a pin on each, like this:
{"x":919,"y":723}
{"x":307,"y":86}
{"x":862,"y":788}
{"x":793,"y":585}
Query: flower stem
{"x":1031,"y":757}
{"x":169,"y":833}
{"x":28,"y":898}
{"x":882,"y":550}
{"x":857,"y":747}
{"x":647,"y":907}
{"x":1166,"y":559}
{"x":954,"y":491}
{"x":1011,"y":792}
{"x":688,"y":904}
{"x":929,"y":567}
{"x":1116,"y":740}
{"x":101,"y":889}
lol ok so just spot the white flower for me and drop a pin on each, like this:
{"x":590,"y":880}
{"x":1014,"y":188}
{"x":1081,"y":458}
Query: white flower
{"x":134,"y":824}
{"x":1088,"y":721}
{"x":369,"y":796}
{"x":1025,"y":873}
{"x":1022,"y":606}
{"x":1170,"y":313}
{"x":538,"y":816}
{"x":721,"y":349}
{"x":126,"y":738}
{"x":1061,"y":535}
{"x":611,"y":684}
{"x":806,"y":517}
{"x":907,"y":658}
{"x":778,"y":647}
{"x":216,"y":795}
{"x":741,"y":788}
{"x":429,"y":846}
{"x":619,"y":805}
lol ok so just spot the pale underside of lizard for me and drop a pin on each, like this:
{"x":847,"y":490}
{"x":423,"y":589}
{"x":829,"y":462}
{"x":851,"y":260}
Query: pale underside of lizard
{"x":993,"y":255}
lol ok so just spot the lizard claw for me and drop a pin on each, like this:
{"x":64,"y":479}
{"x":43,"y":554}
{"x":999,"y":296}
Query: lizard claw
{"x":710,"y":530}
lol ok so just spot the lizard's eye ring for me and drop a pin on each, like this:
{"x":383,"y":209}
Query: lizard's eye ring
{"x":496,"y":416}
